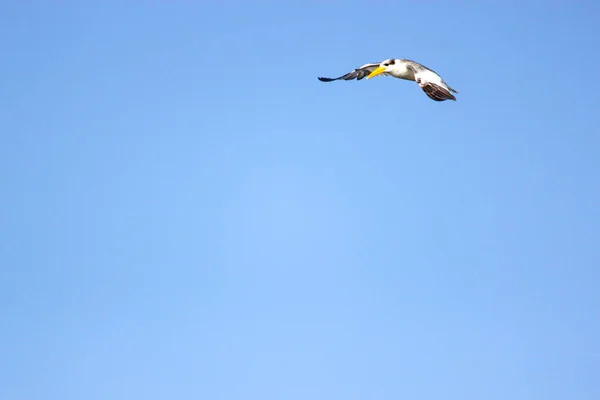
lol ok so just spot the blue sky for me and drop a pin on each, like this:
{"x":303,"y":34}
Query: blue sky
{"x":186,"y":212}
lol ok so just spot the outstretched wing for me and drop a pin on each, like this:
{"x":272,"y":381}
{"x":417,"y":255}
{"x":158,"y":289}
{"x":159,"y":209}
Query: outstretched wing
{"x":358,"y":73}
{"x":431,"y":82}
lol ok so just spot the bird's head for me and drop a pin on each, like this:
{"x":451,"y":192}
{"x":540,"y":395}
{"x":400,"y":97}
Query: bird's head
{"x":385,"y":66}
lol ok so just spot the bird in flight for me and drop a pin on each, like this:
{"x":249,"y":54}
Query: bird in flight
{"x":430,"y":81}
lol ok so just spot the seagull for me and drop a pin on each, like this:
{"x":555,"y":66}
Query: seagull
{"x":430,"y":81}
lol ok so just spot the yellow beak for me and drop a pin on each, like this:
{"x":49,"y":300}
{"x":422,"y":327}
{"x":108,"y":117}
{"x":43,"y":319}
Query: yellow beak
{"x":378,"y":71}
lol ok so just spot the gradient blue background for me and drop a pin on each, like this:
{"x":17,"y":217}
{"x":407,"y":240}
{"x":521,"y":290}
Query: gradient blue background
{"x":187,"y":213}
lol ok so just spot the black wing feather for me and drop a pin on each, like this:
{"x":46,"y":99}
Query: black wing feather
{"x":436,"y":92}
{"x":358,"y":74}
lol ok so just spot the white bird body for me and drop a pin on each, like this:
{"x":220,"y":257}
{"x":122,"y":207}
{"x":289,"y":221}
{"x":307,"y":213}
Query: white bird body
{"x":430,"y":81}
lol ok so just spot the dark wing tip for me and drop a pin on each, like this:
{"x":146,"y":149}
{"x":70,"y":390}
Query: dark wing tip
{"x":325,"y":79}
